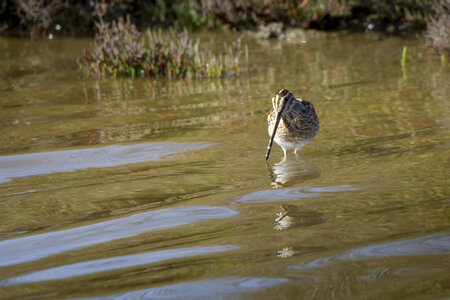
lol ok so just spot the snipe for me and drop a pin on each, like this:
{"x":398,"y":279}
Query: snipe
{"x":293,"y":123}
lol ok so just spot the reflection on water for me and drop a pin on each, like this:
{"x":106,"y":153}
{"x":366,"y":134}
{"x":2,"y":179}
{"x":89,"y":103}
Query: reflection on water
{"x":33,"y":247}
{"x":71,"y":160}
{"x":291,"y":170}
{"x":298,"y":193}
{"x":406,"y":266}
{"x":123,"y":89}
{"x":298,"y":250}
{"x":292,"y":216}
{"x":417,"y":271}
{"x":223,"y":288}
{"x":438,"y":244}
{"x":114,"y":263}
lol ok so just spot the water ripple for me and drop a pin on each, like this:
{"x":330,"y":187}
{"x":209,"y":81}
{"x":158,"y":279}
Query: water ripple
{"x":114,"y":263}
{"x":223,"y":288}
{"x":22,"y":165}
{"x":437,"y":244}
{"x":30,"y":248}
{"x":293,"y":193}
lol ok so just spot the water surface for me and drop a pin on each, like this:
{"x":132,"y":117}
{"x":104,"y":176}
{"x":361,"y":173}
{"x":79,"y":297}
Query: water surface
{"x":158,"y":188}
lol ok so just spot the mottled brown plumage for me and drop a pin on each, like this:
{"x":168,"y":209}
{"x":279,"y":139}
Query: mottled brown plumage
{"x":297,"y":122}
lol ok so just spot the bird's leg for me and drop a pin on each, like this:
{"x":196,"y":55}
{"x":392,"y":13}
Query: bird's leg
{"x":298,"y":149}
{"x":282,"y":161}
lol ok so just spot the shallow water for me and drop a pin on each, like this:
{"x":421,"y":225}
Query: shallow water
{"x":158,"y":188}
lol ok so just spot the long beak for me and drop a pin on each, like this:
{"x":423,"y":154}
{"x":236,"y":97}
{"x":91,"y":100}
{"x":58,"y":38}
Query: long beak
{"x":272,"y":136}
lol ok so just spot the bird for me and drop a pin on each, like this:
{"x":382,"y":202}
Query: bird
{"x":293,"y":123}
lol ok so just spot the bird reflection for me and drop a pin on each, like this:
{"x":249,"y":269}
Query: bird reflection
{"x":286,"y":252}
{"x":291,"y":216}
{"x":293,"y":251}
{"x":291,"y":170}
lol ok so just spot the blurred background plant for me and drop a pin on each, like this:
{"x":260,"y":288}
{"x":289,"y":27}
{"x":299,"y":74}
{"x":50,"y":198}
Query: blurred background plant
{"x":321,"y":14}
{"x":25,"y":16}
{"x":438,"y":29}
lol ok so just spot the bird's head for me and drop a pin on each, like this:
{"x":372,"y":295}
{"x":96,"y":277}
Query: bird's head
{"x":280,"y":99}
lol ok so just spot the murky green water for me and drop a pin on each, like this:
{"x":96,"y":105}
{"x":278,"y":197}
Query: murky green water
{"x":158,"y":189}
